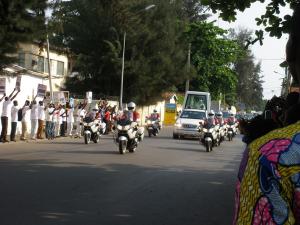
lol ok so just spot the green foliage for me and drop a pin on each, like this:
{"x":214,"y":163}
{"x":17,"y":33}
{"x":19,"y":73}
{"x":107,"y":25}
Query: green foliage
{"x":274,"y":23}
{"x":249,"y":87}
{"x":213,"y":56}
{"x":154,"y":57}
{"x":20,"y":21}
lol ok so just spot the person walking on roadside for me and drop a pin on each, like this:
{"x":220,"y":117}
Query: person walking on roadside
{"x":41,"y":119}
{"x":25,"y":119}
{"x":6,"y":108}
{"x":34,"y":119}
{"x":14,"y":120}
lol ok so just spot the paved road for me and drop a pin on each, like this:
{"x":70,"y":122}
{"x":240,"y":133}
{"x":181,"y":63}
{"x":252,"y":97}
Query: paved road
{"x":167,"y":182}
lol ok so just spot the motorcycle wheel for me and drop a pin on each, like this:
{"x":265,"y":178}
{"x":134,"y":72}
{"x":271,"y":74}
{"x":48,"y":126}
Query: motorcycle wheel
{"x":122,"y":147}
{"x":230,"y":138}
{"x":149,"y":134}
{"x":96,"y":138}
{"x":132,"y":149}
{"x":175,"y":136}
{"x":208,"y":147}
{"x":87,"y":139}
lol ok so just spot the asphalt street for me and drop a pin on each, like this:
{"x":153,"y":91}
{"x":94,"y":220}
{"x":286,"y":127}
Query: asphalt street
{"x":166,"y":182}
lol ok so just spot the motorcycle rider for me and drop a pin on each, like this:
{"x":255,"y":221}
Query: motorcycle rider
{"x":220,"y":119}
{"x":155,"y":117}
{"x":231,"y":118}
{"x":134,"y":116}
{"x":221,"y":123}
{"x":210,"y":120}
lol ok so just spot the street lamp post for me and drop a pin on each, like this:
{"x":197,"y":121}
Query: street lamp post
{"x":123,"y":59}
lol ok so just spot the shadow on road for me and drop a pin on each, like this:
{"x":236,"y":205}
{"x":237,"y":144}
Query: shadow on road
{"x":44,"y":192}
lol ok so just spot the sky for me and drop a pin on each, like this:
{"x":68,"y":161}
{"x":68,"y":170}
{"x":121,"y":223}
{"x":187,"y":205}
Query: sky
{"x":270,"y":54}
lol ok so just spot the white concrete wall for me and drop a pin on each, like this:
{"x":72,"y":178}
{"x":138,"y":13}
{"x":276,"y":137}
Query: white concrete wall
{"x":147,"y":110}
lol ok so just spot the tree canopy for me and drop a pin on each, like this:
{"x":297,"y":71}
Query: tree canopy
{"x":154,"y":57}
{"x":213,"y":55}
{"x":274,"y":23}
{"x":20,"y":21}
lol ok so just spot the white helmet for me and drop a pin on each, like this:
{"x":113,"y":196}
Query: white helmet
{"x":131,"y":106}
{"x":219,"y":114}
{"x":211,"y":113}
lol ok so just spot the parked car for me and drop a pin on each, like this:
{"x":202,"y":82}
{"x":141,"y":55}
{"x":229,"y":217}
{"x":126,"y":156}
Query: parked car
{"x":187,"y":125}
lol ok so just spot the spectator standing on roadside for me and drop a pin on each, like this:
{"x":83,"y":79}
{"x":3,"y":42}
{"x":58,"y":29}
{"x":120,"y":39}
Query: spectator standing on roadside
{"x":63,"y":121}
{"x":70,"y":119}
{"x":57,"y":120}
{"x":34,"y":119}
{"x":14,"y":120}
{"x":80,"y":115}
{"x":6,"y":108}
{"x":25,"y":119}
{"x":50,"y":125}
{"x":41,"y":119}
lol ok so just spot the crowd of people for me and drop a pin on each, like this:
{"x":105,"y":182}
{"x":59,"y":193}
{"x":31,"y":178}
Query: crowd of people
{"x":48,"y":120}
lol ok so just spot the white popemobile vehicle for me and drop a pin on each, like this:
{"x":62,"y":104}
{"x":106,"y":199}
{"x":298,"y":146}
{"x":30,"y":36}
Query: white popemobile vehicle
{"x":195,"y":107}
{"x":188,"y":123}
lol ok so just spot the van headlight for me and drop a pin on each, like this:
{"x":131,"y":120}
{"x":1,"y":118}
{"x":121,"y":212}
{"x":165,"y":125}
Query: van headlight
{"x":178,"y":125}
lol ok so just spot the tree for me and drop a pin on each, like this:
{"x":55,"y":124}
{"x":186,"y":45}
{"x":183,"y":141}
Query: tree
{"x":249,"y":86}
{"x":20,"y":21}
{"x":213,"y":55}
{"x":93,"y":31}
{"x":274,"y":23}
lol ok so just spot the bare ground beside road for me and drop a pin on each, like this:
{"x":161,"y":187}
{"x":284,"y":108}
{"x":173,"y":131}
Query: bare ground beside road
{"x":167,"y":182}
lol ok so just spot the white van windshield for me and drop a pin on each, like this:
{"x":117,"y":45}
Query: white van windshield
{"x":192,"y":115}
{"x":196,"y":102}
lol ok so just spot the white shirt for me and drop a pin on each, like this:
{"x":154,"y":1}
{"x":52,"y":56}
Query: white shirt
{"x":70,"y":118}
{"x":6,"y":108}
{"x":26,"y":114}
{"x":41,"y":112}
{"x":62,"y":116}
{"x":34,"y":112}
{"x":80,"y":114}
{"x":56,"y":116}
{"x":14,"y":113}
{"x":50,"y":114}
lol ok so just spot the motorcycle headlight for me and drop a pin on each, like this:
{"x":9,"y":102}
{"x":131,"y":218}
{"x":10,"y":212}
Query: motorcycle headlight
{"x":204,"y":130}
{"x":127,"y":127}
{"x":211,"y":130}
{"x":149,"y":122}
{"x":119,"y":127}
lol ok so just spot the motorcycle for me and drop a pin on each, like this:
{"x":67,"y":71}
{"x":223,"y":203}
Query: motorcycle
{"x":152,"y":127}
{"x":222,"y":132}
{"x":210,"y":137}
{"x":231,"y":131}
{"x":126,"y":136}
{"x":92,"y":130}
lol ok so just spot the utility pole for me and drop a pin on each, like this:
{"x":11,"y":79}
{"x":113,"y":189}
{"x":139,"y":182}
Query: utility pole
{"x":49,"y":69}
{"x":122,"y":74}
{"x":187,"y":84}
